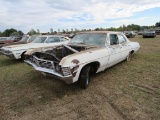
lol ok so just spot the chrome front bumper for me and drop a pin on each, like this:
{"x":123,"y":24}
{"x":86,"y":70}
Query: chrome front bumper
{"x":49,"y":72}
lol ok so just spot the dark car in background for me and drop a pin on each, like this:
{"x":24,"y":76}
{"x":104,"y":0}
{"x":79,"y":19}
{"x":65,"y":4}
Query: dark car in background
{"x":149,"y":34}
{"x":9,"y":40}
{"x":24,"y":40}
{"x":140,"y":32}
{"x":129,"y":34}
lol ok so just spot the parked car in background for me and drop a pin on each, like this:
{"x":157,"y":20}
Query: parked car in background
{"x":71,"y":35}
{"x":17,"y":51}
{"x":3,"y":38}
{"x":129,"y":34}
{"x":140,"y":32}
{"x":86,"y":54}
{"x":9,"y":40}
{"x":24,"y":40}
{"x":149,"y":34}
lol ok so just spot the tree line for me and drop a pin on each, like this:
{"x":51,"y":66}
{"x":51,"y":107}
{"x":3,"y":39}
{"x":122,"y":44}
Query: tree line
{"x":14,"y":32}
{"x":11,"y":32}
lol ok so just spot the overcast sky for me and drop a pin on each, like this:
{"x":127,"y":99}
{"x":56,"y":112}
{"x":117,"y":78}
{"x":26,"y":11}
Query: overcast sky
{"x":66,"y":14}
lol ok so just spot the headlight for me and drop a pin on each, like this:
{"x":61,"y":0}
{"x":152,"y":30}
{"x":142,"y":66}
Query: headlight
{"x":66,"y":71}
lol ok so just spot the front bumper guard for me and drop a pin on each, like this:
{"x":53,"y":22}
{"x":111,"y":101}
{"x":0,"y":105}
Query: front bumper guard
{"x":49,"y":72}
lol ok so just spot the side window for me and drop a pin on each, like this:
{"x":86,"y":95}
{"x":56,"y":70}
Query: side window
{"x":53,"y":39}
{"x":121,"y":39}
{"x":113,"y":39}
{"x":63,"y":39}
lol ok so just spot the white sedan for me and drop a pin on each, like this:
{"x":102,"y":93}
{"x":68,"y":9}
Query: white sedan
{"x":86,"y":54}
{"x":18,"y":51}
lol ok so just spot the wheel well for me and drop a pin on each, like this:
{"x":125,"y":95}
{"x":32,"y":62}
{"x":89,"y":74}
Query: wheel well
{"x":94,"y":65}
{"x":132,"y":52}
{"x":23,"y":53}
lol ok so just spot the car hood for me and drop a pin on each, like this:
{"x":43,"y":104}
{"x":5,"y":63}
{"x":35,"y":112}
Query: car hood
{"x":14,"y":43}
{"x":60,"y":55}
{"x":29,"y":46}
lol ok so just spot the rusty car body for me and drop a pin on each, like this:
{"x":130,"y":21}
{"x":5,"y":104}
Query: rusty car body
{"x":86,"y":54}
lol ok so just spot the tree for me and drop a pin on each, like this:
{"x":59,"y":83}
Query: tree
{"x":72,"y":29}
{"x":97,"y":29}
{"x":63,"y":31}
{"x":157,"y":24}
{"x":20,"y":32}
{"x":51,"y":30}
{"x":8,"y":32}
{"x":1,"y":34}
{"x":15,"y":34}
{"x":32,"y":32}
{"x":38,"y":32}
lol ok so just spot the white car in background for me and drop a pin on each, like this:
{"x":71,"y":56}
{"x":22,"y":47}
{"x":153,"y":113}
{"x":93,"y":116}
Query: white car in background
{"x":18,"y":51}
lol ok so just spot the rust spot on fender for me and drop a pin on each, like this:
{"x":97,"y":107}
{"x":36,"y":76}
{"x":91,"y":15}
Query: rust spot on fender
{"x":74,"y":69}
{"x":75,"y":61}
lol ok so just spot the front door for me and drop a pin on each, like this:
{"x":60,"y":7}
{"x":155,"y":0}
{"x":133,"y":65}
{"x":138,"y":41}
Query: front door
{"x":114,"y":49}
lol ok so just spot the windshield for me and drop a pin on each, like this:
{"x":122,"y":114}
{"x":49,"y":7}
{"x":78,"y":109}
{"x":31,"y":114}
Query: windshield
{"x":39,"y":40}
{"x":9,"y":38}
{"x":149,"y":31}
{"x":3,"y":38}
{"x":24,"y":39}
{"x":31,"y":38}
{"x":90,"y":39}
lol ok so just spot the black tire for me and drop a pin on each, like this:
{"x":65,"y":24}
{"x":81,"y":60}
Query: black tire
{"x":130,"y":36}
{"x":84,"y":78}
{"x":22,"y":56}
{"x":129,"y":57}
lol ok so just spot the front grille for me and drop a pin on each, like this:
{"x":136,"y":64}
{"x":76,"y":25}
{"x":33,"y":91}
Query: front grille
{"x":43,"y":63}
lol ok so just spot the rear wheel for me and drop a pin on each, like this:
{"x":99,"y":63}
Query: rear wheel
{"x":84,"y":78}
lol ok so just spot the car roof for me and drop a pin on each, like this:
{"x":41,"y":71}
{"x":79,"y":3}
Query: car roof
{"x":50,"y":36}
{"x":98,"y":32}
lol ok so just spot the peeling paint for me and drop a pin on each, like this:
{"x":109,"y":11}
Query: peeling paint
{"x":74,"y":69}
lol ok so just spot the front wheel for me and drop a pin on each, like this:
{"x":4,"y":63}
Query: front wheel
{"x":84,"y":78}
{"x":23,"y":56}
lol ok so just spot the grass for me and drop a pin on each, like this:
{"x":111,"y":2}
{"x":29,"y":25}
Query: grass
{"x":129,"y":90}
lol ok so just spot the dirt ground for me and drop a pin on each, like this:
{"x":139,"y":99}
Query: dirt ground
{"x":128,"y":90}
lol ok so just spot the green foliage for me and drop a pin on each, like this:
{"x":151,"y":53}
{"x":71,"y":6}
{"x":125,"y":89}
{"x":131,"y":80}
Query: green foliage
{"x":51,"y":30}
{"x":15,"y":34}
{"x":32,"y":32}
{"x":38,"y":31}
{"x":63,"y":31}
{"x":11,"y":32}
{"x":157,"y":24}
